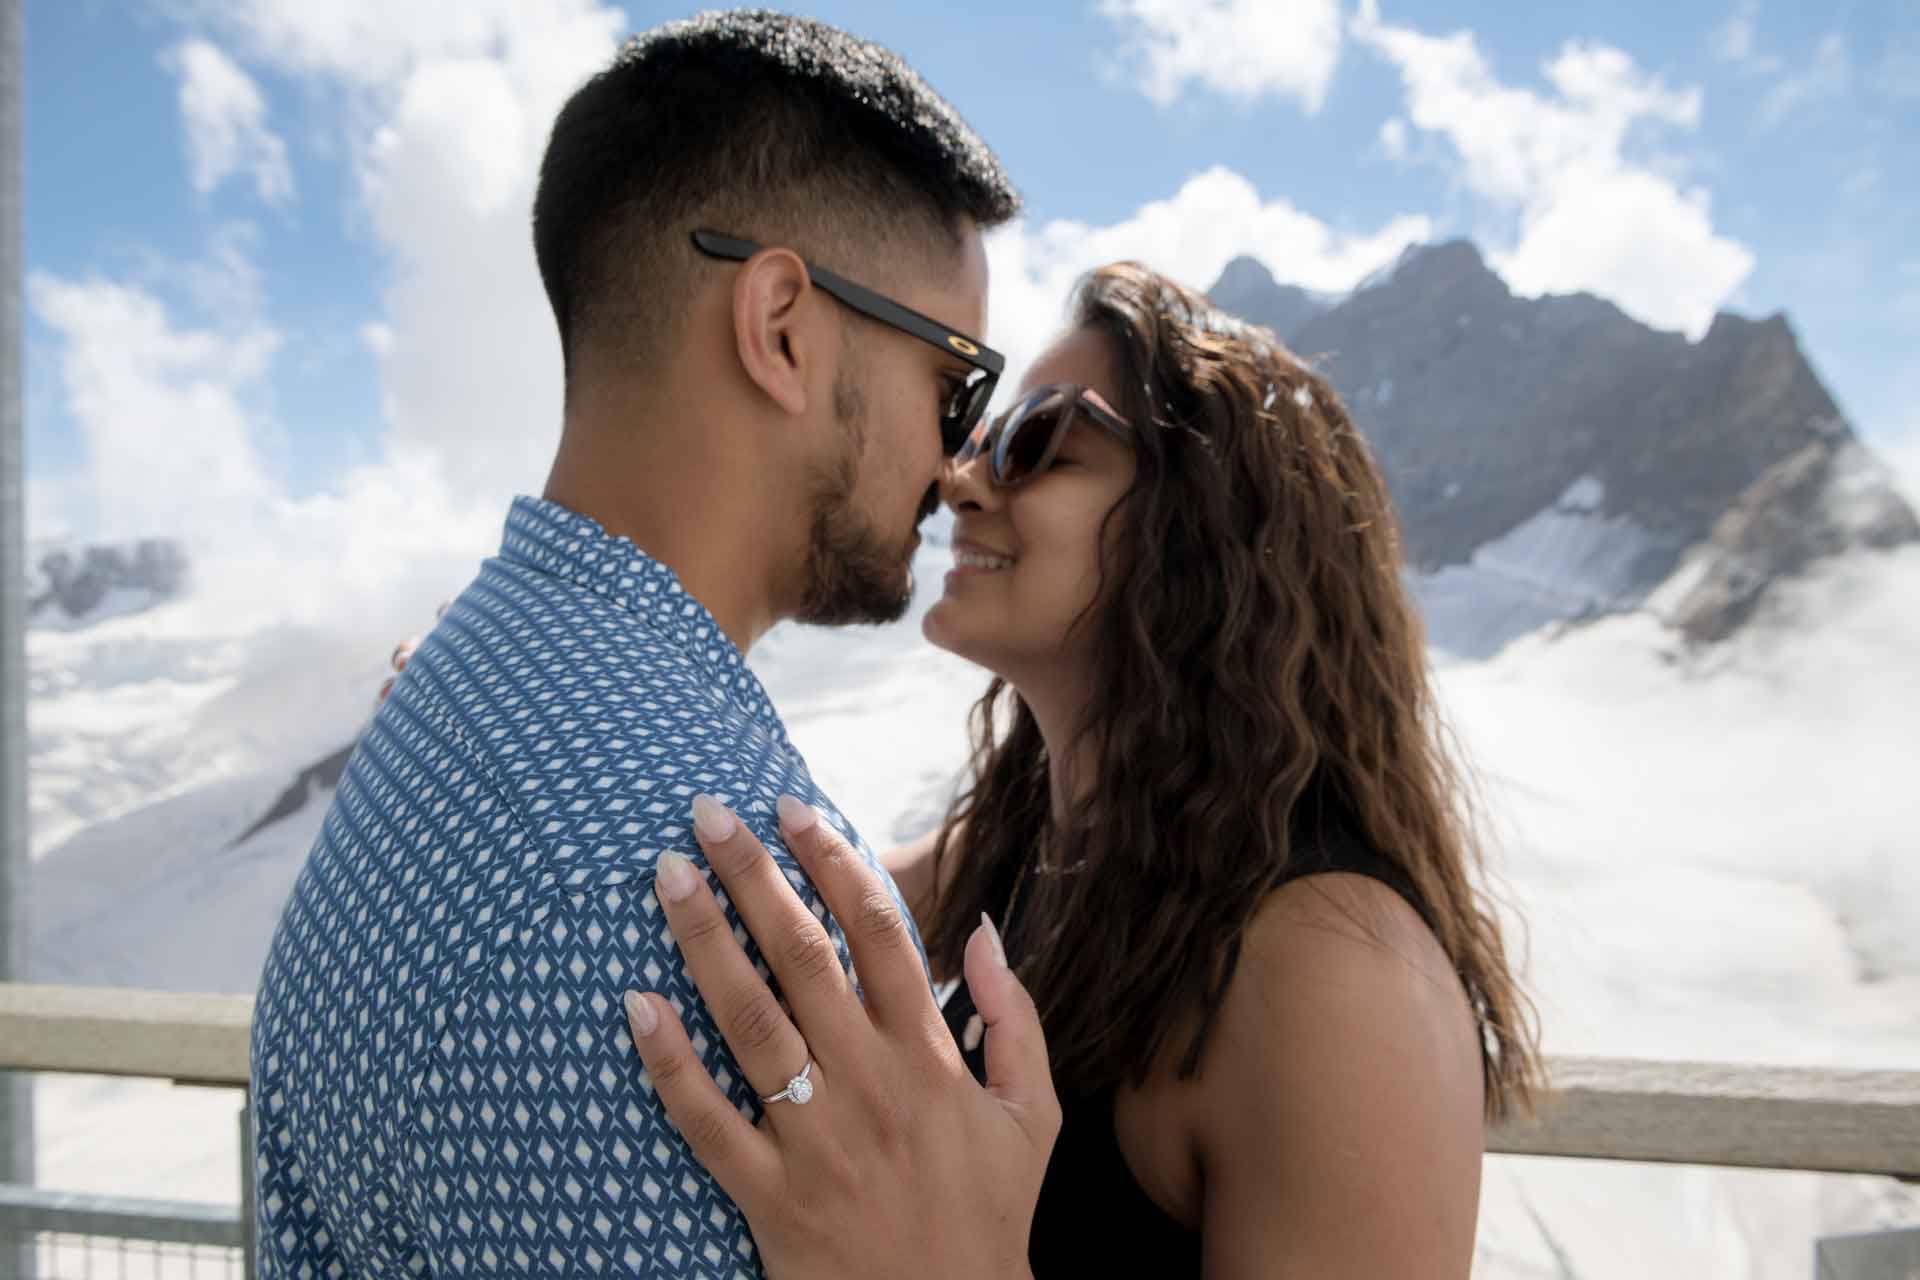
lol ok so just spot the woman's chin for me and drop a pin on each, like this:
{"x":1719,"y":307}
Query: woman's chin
{"x":944,"y":631}
{"x":934,"y":627}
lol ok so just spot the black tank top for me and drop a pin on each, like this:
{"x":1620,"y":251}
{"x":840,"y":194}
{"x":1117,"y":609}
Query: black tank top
{"x":1093,"y":1218}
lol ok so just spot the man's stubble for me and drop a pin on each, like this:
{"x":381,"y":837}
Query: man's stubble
{"x":854,"y":574}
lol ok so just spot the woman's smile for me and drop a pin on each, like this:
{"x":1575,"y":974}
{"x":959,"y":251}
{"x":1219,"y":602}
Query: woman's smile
{"x":973,"y":558}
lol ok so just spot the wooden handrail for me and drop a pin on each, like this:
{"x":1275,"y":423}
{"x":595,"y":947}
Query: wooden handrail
{"x":1815,"y":1118}
{"x":116,"y":1031}
{"x":1828,"y":1120}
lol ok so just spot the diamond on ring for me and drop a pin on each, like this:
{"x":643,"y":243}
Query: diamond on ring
{"x":799,"y":1090}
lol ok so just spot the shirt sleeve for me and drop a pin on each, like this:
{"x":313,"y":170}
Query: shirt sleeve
{"x":536,"y":1143}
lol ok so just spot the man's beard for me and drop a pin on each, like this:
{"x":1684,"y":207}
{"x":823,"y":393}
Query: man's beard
{"x":853,"y":574}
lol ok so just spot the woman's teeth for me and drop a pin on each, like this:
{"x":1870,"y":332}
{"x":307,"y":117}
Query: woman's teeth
{"x":981,"y":560}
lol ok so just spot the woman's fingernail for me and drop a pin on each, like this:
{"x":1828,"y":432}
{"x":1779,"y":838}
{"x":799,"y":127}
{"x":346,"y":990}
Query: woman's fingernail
{"x":795,"y":816}
{"x":675,"y":876}
{"x":641,"y":1013}
{"x":711,"y":819}
{"x":993,"y":936}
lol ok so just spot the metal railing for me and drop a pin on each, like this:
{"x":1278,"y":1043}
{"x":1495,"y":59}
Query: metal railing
{"x":1753,"y":1117}
{"x":68,"y":1234}
{"x":186,"y":1039}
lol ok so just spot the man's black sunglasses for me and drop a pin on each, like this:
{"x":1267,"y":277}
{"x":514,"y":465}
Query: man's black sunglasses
{"x":969,"y":399}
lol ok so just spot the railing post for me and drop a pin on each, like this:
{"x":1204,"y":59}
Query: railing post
{"x":249,"y":1228}
{"x":1868,"y":1255}
{"x":16,"y":1096}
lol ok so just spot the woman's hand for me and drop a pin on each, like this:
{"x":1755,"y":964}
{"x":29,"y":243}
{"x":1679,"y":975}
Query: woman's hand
{"x":899,"y":1163}
{"x":402,"y":652}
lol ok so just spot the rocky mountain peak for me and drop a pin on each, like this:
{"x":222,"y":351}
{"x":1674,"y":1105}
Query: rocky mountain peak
{"x":1448,"y":265}
{"x":1487,"y":410}
{"x":1247,"y":289}
{"x":74,"y":585}
{"x":1244,"y":276}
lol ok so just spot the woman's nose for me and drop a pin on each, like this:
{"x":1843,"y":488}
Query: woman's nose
{"x":965,"y":486}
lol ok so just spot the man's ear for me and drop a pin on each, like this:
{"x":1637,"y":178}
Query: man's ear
{"x":771,"y":330}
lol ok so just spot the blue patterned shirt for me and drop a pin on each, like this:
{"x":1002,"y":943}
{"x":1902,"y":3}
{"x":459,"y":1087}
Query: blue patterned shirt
{"x":443,"y":1082}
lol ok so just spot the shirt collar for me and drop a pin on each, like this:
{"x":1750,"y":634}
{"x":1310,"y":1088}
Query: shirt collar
{"x":552,"y":539}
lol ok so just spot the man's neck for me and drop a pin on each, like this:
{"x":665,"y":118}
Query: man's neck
{"x":673,"y":494}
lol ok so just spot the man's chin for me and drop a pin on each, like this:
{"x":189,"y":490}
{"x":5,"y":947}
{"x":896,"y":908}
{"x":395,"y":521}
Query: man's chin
{"x":872,"y":607}
{"x":856,"y":586}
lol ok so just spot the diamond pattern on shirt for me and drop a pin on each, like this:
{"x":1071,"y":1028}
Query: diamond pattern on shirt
{"x":443,"y":1083}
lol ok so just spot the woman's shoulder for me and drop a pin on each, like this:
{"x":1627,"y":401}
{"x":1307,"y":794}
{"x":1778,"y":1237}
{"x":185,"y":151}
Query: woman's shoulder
{"x":1344,"y":1069}
{"x":1343,"y":954}
{"x":1337,"y":965}
{"x":1350,"y":900}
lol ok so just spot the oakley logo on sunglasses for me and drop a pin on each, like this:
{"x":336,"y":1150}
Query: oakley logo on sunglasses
{"x":961,"y":345}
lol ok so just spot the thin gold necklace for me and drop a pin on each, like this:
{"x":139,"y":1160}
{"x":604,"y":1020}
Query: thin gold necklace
{"x":1013,"y":899}
{"x":976,"y":1027}
{"x":1035,"y":861}
{"x":970,"y":1037}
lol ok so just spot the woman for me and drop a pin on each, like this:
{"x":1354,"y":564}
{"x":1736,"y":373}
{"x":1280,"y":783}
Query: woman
{"x":1211,"y":810}
{"x":1210,"y":806}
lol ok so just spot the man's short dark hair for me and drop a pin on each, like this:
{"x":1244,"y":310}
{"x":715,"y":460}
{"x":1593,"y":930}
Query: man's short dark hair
{"x":779,"y":129}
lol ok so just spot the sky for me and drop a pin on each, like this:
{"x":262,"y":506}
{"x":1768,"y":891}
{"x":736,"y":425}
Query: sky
{"x":281,"y":297}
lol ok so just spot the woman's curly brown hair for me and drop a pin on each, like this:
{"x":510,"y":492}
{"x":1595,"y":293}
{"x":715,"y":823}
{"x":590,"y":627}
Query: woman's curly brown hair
{"x":1259,"y":670}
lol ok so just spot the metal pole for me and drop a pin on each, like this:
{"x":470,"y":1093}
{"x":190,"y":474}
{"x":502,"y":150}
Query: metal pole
{"x":16,"y":1098}
{"x":249,"y":1206}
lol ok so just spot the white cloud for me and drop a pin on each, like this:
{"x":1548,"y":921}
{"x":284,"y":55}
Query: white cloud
{"x":58,"y":507}
{"x":1629,"y":236}
{"x":1393,"y":138}
{"x":444,"y":115}
{"x":377,"y":44}
{"x":1588,"y":218}
{"x":225,"y":283}
{"x":172,"y":422}
{"x":1732,"y":41}
{"x":1215,"y":216}
{"x":447,"y":112}
{"x":1735,"y":41}
{"x":225,"y":115}
{"x":1902,"y":454}
{"x":1895,"y":436}
{"x":1829,"y":76}
{"x":161,"y":408}
{"x":1242,"y":49}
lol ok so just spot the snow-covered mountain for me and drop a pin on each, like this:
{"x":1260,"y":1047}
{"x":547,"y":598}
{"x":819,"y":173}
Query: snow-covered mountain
{"x":1694,"y":729}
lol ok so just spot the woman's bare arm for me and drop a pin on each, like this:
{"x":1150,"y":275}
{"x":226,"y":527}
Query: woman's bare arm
{"x":1342,"y":1130}
{"x":911,"y":866}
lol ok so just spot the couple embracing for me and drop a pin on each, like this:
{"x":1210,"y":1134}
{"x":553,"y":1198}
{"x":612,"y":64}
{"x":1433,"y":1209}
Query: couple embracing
{"x":585,"y":976}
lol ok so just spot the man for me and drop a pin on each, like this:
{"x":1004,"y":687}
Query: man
{"x":761,"y":239}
